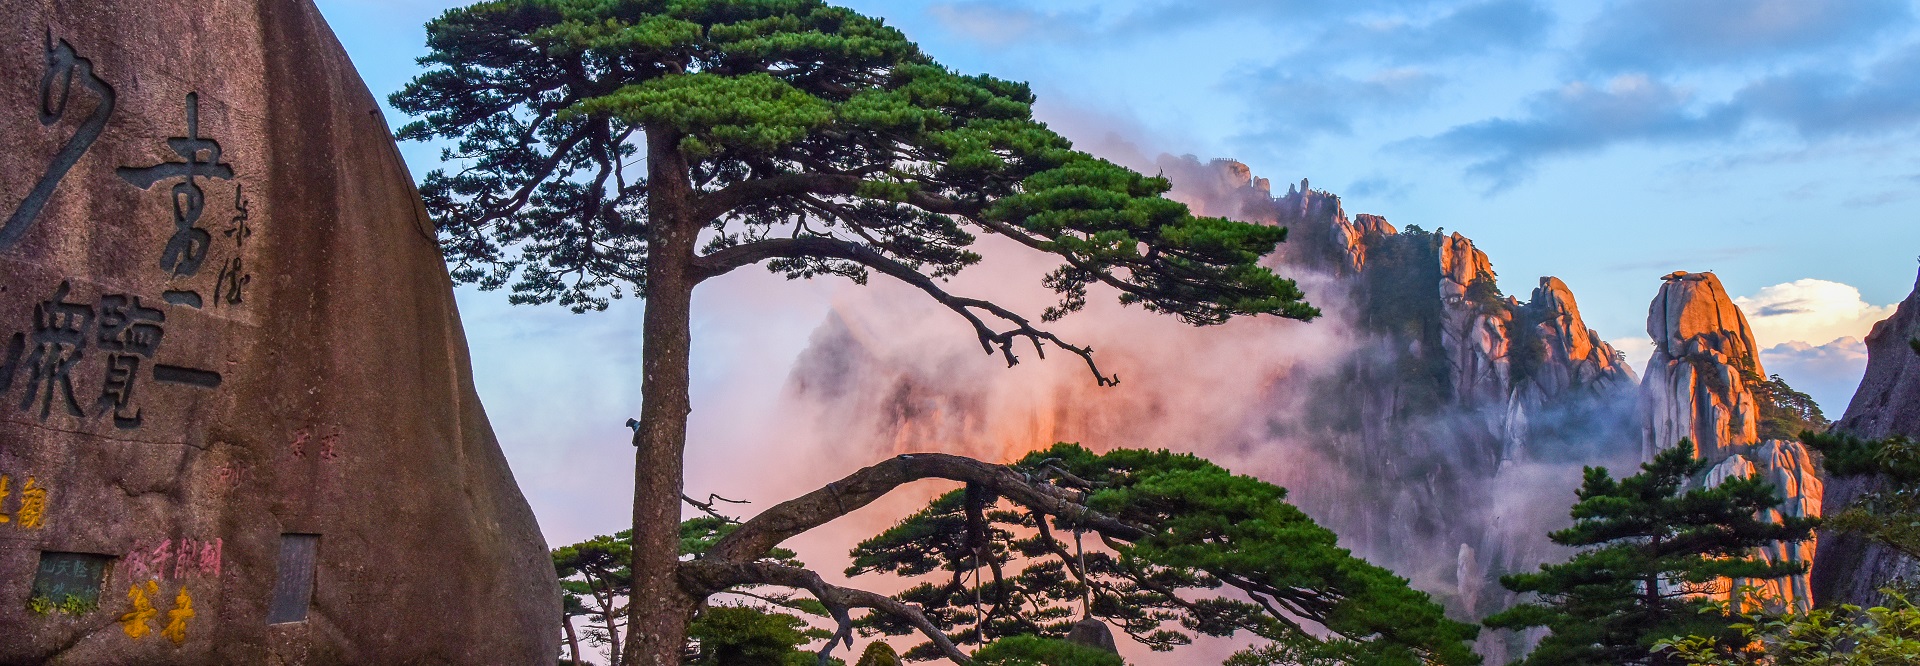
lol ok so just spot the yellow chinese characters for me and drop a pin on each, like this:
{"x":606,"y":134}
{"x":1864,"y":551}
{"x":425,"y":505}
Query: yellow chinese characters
{"x":139,"y":621}
{"x":135,"y":622}
{"x":33,"y":505}
{"x":176,"y":630}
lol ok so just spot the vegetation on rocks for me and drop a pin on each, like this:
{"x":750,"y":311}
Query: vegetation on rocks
{"x":1889,"y":514}
{"x":1844,"y":636}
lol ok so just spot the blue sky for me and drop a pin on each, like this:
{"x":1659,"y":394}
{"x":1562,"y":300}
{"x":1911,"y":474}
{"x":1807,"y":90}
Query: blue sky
{"x":1607,"y":143}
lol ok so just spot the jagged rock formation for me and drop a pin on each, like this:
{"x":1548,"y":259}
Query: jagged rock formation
{"x":1703,"y":355}
{"x":1457,"y":420}
{"x":1576,"y":355}
{"x":1501,"y":394}
{"x":1849,"y":569}
{"x":237,"y":422}
{"x":1697,"y":387}
{"x":1476,"y":331}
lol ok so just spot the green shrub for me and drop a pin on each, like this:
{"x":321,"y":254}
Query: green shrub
{"x":1848,"y":636}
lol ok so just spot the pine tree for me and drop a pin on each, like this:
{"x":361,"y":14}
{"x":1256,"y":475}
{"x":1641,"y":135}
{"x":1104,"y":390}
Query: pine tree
{"x":595,"y":578}
{"x":1654,"y":553}
{"x":608,"y":146}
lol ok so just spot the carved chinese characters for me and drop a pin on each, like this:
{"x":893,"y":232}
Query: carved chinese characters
{"x":112,"y":352}
{"x":64,"y":68}
{"x":174,"y":561}
{"x":225,"y":324}
{"x":199,"y":159}
{"x":127,"y":335}
{"x":124,"y":331}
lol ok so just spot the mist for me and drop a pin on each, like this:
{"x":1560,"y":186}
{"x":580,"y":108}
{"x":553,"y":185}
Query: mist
{"x":1450,"y":492}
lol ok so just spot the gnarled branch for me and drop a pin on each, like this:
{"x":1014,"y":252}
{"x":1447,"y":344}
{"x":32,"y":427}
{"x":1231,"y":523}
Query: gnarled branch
{"x":724,"y":261}
{"x":711,"y":576}
{"x":761,"y":534}
{"x":708,"y":507}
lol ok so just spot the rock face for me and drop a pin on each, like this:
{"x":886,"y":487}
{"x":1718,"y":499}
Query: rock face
{"x":1509,"y":397}
{"x":1576,"y":355}
{"x":237,"y":423}
{"x":1476,"y":329}
{"x":1696,"y":388}
{"x":1694,"y":384}
{"x":1094,"y":634}
{"x":1790,"y":469}
{"x":1848,"y":569}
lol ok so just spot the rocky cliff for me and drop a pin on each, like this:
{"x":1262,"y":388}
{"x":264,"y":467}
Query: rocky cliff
{"x":1467,"y":406}
{"x":237,"y":420}
{"x":1699,"y":386}
{"x":1848,"y":569}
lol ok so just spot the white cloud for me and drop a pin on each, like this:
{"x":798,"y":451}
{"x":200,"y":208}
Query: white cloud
{"x":1810,"y":332}
{"x":1814,"y":312}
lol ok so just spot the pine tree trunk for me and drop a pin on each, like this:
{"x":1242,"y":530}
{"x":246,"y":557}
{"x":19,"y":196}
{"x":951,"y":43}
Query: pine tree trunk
{"x":607,"y":612}
{"x":573,"y":642}
{"x":659,"y":610}
{"x":613,"y":637}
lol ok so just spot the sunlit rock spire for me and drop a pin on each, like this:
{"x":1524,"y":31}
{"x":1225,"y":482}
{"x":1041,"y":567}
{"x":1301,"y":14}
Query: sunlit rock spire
{"x":1698,"y":387}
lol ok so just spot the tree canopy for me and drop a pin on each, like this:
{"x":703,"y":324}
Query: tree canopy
{"x":801,"y":134}
{"x":760,"y":627}
{"x":596,"y":580}
{"x":1785,"y":413}
{"x":1654,"y":556}
{"x":1174,"y":531}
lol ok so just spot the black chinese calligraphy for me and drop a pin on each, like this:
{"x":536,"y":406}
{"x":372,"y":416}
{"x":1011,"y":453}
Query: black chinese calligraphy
{"x":199,"y":158}
{"x":126,"y":331}
{"x":240,"y":228}
{"x":59,"y":341}
{"x":173,"y":374}
{"x":64,"y":66}
{"x":233,"y":278}
{"x":187,"y":298}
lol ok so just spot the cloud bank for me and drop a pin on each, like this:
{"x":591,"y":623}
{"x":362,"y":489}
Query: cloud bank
{"x":1810,"y":333}
{"x":1810,"y":311}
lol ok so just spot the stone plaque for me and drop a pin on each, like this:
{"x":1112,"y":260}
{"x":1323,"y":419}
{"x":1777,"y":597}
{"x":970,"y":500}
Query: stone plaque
{"x":70,"y":577}
{"x":293,"y":588}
